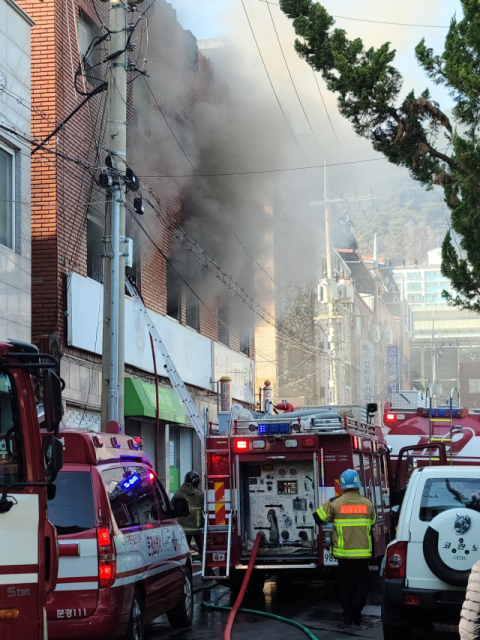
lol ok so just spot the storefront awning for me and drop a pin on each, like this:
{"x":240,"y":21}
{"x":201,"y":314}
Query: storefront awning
{"x":140,"y":400}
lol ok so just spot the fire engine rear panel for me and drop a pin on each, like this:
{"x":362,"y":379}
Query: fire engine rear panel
{"x":278,"y":499}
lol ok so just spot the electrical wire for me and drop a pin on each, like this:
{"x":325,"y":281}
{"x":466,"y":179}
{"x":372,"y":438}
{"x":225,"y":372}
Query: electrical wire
{"x":269,"y":78}
{"x":290,"y":73}
{"x":248,"y":173}
{"x":397,"y":24}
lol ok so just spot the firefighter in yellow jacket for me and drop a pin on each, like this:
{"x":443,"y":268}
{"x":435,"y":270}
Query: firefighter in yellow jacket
{"x":353,"y":516}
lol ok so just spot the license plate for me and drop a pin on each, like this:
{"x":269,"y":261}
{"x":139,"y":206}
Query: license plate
{"x":219,"y":557}
{"x":329,"y":560}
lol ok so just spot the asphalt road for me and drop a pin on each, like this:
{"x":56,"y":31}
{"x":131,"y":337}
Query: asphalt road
{"x":313,"y":603}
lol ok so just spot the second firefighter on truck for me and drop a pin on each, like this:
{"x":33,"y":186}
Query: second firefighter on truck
{"x":193,"y":523}
{"x":352,"y":516}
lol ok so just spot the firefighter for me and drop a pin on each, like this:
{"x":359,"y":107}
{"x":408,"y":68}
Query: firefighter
{"x":193,"y":523}
{"x":353,"y":516}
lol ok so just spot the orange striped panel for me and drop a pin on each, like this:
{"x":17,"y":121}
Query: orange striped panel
{"x":219,"y":491}
{"x":219,"y":514}
{"x":353,"y":508}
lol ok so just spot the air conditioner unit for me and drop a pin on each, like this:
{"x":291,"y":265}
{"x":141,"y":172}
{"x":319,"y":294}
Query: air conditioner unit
{"x":128,"y":252}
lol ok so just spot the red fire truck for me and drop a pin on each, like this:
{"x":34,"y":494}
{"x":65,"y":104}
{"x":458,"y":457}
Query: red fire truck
{"x":269,"y":473}
{"x":28,"y":544}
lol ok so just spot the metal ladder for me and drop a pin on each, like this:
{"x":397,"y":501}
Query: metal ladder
{"x":214,"y":526}
{"x":175,"y":379}
{"x":432,"y":420}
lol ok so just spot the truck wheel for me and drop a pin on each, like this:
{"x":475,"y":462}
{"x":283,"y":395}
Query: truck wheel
{"x":136,"y":624}
{"x":449,"y":545}
{"x":181,"y":616}
{"x":391,"y":632}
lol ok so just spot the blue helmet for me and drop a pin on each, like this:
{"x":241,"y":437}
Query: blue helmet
{"x":350,"y":480}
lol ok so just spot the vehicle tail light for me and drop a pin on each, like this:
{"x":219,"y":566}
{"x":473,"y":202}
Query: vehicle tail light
{"x":241,"y":445}
{"x":291,"y":444}
{"x":396,"y":562}
{"x":259,"y":444}
{"x":107,"y":562}
{"x":308,"y":442}
{"x":390,"y":417}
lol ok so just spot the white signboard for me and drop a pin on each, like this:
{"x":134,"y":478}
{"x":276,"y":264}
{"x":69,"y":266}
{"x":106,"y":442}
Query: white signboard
{"x":191,"y":352}
{"x":239,"y":368}
{"x":367,"y":380}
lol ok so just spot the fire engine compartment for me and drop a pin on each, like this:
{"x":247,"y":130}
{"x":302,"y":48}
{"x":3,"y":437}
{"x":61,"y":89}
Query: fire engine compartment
{"x":277,"y":497}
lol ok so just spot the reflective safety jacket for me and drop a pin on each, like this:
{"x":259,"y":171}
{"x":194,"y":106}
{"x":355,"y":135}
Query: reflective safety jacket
{"x":193,"y":523}
{"x":353,"y":516}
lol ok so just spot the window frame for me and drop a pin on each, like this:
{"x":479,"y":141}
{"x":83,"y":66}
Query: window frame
{"x":22,"y":467}
{"x":12,"y":153}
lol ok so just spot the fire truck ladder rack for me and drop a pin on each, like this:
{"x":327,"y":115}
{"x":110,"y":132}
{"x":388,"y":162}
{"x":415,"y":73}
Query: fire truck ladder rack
{"x":175,"y":379}
{"x":317,"y":425}
{"x":433,"y":420}
{"x":218,"y":511}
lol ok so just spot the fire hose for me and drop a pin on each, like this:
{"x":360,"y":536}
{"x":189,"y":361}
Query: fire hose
{"x":236,"y":607}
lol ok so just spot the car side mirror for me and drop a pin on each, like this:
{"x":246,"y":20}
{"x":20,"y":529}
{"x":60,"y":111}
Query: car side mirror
{"x":52,"y":400}
{"x":180,"y":508}
{"x":395,"y":512}
{"x":52,"y":449}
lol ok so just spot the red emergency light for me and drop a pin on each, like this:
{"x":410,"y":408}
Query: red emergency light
{"x":390,"y":417}
{"x":241,"y":445}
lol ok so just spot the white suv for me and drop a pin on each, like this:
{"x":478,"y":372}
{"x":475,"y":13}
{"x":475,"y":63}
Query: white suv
{"x":437,"y":542}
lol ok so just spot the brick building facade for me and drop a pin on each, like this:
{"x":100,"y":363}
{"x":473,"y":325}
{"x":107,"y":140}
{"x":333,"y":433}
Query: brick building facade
{"x":168,"y":79}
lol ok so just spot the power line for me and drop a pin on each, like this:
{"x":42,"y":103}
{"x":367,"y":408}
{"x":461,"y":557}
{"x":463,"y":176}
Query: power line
{"x":249,"y":173}
{"x":397,"y":24}
{"x":290,"y":73}
{"x":268,"y":75}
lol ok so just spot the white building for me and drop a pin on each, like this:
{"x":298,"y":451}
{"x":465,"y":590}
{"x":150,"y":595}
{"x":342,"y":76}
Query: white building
{"x":15,"y":232}
{"x":452,"y":335}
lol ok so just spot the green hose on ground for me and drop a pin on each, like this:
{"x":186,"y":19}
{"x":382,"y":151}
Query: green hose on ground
{"x":265,"y":615}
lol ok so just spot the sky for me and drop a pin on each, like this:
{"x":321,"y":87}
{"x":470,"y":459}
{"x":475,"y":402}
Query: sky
{"x":226,"y":18}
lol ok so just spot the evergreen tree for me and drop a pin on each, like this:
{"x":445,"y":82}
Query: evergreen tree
{"x":413,"y":132}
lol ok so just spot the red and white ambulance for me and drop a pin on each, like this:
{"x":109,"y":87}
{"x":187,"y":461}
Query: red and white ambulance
{"x":28,"y":545}
{"x":124,"y":560}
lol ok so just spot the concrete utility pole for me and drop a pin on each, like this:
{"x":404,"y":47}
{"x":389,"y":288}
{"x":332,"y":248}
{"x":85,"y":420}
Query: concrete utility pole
{"x":377,"y":355}
{"x":113,"y":357}
{"x":333,"y":379}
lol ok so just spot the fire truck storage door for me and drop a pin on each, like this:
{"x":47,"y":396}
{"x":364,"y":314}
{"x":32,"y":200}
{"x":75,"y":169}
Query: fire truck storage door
{"x":280,"y":503}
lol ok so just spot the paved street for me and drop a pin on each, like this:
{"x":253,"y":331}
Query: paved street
{"x":313,"y":603}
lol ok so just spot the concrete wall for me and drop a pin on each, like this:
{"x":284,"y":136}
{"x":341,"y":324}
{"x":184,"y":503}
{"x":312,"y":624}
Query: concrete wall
{"x":15,"y":262}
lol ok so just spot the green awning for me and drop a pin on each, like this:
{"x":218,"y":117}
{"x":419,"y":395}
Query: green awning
{"x":140,"y":400}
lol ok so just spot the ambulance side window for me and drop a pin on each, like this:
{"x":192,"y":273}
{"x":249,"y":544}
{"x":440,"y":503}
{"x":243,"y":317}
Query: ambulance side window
{"x":121,"y":496}
{"x":161,"y":496}
{"x":141,"y":484}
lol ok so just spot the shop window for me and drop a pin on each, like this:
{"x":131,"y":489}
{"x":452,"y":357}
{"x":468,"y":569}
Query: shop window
{"x":174,"y":294}
{"x":192,"y":310}
{"x":223,"y":323}
{"x":88,"y":32}
{"x":7,"y":197}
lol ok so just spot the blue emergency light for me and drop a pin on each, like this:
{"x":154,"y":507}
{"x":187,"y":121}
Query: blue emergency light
{"x":273,"y":428}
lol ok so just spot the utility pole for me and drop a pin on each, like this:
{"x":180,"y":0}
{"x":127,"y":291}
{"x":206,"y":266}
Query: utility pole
{"x":333,"y":379}
{"x":378,"y":360}
{"x":113,"y":356}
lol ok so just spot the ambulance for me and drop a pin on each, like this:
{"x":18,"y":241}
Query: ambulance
{"x":124,"y":559}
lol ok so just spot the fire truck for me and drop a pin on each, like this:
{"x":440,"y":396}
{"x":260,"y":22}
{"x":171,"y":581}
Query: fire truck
{"x":28,"y":543}
{"x":422,"y":434}
{"x":269,"y":473}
